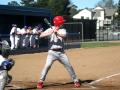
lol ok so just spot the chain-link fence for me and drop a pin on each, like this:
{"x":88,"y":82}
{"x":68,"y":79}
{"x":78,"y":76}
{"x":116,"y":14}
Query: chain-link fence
{"x":80,"y":32}
{"x":107,"y":31}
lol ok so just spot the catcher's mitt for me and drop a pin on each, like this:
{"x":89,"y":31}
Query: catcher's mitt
{"x":5,"y":48}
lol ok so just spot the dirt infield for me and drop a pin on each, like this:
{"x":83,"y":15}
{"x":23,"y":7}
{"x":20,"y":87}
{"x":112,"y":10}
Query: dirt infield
{"x":97,"y":68}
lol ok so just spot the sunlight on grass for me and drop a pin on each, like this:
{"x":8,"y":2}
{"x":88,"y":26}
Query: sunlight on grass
{"x":99,"y":44}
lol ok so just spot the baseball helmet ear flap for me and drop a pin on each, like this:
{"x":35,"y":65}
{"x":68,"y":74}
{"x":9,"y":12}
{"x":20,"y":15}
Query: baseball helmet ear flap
{"x":58,"y":20}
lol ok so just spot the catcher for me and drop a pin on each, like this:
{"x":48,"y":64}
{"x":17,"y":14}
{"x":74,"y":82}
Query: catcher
{"x":56,"y":51}
{"x":5,"y":65}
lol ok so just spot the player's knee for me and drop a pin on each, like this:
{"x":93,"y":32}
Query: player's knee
{"x":48,"y":66}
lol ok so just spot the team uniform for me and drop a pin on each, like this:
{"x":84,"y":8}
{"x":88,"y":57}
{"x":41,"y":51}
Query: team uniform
{"x":14,"y":37}
{"x":23,"y":36}
{"x":3,"y":74}
{"x":5,"y":65}
{"x":27,"y":33}
{"x":34,"y":36}
{"x":56,"y":52}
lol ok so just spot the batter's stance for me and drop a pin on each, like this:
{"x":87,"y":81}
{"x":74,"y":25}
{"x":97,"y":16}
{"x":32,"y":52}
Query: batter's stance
{"x":56,"y":51}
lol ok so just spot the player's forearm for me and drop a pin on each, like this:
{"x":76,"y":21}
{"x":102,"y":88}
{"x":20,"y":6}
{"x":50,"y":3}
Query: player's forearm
{"x":45,"y":34}
{"x":61,"y":35}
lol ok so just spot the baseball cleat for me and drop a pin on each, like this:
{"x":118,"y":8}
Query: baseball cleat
{"x":40,"y":85}
{"x":77,"y":84}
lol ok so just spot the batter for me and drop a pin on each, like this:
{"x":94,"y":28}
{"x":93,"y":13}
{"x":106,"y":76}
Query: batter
{"x":56,"y":51}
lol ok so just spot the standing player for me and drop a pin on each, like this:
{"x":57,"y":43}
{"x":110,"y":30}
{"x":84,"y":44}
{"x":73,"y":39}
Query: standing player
{"x":23,"y":36}
{"x":33,"y":36}
{"x":14,"y":36}
{"x":56,"y":51}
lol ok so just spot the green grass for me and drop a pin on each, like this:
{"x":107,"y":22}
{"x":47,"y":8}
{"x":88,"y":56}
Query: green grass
{"x":99,"y":44}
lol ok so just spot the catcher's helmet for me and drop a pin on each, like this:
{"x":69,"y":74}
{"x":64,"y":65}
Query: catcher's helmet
{"x":58,"y":20}
{"x":7,"y":64}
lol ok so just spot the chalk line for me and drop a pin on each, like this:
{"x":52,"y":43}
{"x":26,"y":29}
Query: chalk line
{"x":96,"y":81}
{"x":89,"y":85}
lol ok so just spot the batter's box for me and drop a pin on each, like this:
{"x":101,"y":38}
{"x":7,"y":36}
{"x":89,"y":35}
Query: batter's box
{"x":20,"y":85}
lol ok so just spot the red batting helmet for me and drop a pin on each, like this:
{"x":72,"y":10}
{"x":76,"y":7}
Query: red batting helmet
{"x":58,"y":20}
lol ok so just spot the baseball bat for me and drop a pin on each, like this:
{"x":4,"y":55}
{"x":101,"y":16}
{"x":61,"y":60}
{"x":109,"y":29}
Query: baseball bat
{"x":47,"y":22}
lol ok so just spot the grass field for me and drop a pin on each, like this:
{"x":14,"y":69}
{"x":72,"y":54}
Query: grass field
{"x":99,"y":44}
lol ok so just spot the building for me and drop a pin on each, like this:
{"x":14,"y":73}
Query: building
{"x":83,"y":14}
{"x":102,"y":15}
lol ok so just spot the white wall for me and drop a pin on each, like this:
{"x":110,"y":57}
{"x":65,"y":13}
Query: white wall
{"x":84,"y":13}
{"x":100,"y":19}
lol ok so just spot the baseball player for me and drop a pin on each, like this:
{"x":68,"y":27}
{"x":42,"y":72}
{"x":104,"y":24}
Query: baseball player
{"x":34,"y":36}
{"x":56,"y":51}
{"x":23,"y":36}
{"x":27,"y":37}
{"x":5,"y":65}
{"x":14,"y":36}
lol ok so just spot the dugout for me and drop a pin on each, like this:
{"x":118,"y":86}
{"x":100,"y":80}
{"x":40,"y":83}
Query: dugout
{"x":21,"y":16}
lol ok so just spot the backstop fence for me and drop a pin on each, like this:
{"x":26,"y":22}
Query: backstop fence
{"x":80,"y":32}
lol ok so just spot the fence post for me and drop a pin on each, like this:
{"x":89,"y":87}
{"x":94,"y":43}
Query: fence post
{"x":82,"y":32}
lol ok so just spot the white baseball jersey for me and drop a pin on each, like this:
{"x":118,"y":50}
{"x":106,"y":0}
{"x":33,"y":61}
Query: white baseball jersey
{"x":55,"y":40}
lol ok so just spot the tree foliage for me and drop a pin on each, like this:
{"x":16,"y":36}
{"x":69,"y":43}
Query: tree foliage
{"x":118,"y":11}
{"x":73,"y":10}
{"x":28,"y":3}
{"x":13,"y":3}
{"x":42,"y":3}
{"x":59,"y":7}
{"x":106,"y":3}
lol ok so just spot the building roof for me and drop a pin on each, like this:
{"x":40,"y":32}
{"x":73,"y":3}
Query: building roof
{"x":77,"y":16}
{"x":109,"y":11}
{"x":20,"y":10}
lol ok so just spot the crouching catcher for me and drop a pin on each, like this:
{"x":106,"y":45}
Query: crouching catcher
{"x":5,"y":65}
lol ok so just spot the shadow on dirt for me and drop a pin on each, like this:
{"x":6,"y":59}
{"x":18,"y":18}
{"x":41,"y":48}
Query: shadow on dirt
{"x":48,"y":85}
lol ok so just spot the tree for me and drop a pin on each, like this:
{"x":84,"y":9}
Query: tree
{"x":106,"y":3}
{"x":42,"y":3}
{"x":13,"y":3}
{"x":109,"y":3}
{"x":28,"y":3}
{"x":59,"y":7}
{"x":118,"y":11}
{"x":73,"y":9}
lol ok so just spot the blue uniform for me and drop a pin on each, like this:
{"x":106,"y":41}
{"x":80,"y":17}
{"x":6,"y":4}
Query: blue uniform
{"x":3,"y":74}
